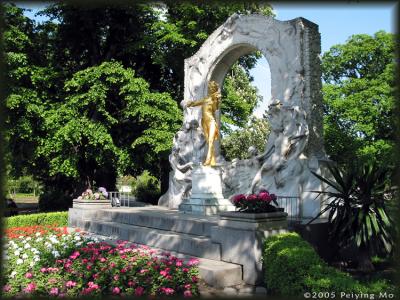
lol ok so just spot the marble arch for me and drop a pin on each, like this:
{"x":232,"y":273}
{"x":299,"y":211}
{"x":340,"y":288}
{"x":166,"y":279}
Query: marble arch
{"x":292,"y":50}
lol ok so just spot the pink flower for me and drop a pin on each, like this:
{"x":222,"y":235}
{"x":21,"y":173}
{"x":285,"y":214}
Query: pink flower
{"x":70,"y":284}
{"x":103,"y":259}
{"x":74,"y":255}
{"x":185,"y":270}
{"x":168,"y":291}
{"x":53,"y":291}
{"x":139,"y":291}
{"x":28,"y":275}
{"x":131,"y":283}
{"x":112,"y":265}
{"x":6,"y":288}
{"x":30,"y":288}
{"x":194,"y":279}
{"x":116,"y":290}
{"x":193,"y":262}
{"x":179,"y":263}
{"x":188,"y":286}
{"x":116,"y":277}
{"x":142,"y":271}
{"x":123,"y":270}
{"x":43,"y":270}
{"x":52,"y":280}
{"x":92,"y":285}
{"x":187,"y":293}
{"x":164,"y":272}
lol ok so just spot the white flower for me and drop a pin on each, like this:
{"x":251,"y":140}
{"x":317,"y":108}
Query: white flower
{"x":77,"y":238}
{"x":79,"y":243}
{"x":39,"y":239}
{"x":17,"y":252}
{"x":28,"y":238}
{"x":21,"y":236}
{"x":37,"y":233}
{"x":55,"y":253}
{"x":19,"y":261}
{"x":36,"y":258}
{"x":32,"y":263}
{"x":27,"y":246}
{"x":24,"y":256}
{"x":13,"y":273}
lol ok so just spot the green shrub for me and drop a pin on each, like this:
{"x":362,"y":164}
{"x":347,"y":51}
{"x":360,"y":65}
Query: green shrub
{"x":54,"y":200}
{"x":147,"y":188}
{"x":56,"y":218}
{"x":293,"y":267}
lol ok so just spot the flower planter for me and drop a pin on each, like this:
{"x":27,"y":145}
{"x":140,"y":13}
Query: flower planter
{"x":254,"y":221}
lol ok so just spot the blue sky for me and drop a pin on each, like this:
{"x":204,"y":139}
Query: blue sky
{"x":337,"y":22}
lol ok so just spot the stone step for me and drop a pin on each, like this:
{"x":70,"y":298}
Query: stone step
{"x":195,"y":245}
{"x":163,"y":219}
{"x":214,"y":273}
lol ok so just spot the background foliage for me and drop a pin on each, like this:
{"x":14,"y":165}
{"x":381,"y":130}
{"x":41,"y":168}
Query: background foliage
{"x":93,"y":92}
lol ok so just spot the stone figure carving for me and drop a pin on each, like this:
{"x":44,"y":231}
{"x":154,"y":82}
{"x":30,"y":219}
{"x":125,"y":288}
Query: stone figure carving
{"x":288,"y":137}
{"x":188,"y":142}
{"x":209,"y":106}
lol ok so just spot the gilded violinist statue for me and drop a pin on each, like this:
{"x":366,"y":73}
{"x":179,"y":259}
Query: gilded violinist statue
{"x":209,"y":106}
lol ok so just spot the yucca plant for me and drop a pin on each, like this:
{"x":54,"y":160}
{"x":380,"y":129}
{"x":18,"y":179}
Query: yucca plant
{"x":357,"y":214}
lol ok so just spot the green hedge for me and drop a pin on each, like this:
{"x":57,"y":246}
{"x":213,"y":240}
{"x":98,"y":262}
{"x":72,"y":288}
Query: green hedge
{"x":57,"y":218}
{"x":293,"y":267}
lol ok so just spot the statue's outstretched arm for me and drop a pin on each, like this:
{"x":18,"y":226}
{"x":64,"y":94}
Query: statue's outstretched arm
{"x":196,"y":103}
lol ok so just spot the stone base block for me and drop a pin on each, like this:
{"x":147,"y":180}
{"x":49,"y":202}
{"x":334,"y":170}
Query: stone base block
{"x":206,"y":207}
{"x":91,"y":204}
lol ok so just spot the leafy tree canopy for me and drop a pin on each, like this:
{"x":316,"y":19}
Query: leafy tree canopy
{"x":254,"y":133}
{"x":358,"y":98}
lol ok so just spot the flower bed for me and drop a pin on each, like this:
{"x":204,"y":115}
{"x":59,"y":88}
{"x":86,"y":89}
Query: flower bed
{"x":49,"y":262}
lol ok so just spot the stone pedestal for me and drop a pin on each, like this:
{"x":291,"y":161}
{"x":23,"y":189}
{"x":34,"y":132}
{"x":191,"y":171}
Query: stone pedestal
{"x":241,"y":237}
{"x":206,"y":198}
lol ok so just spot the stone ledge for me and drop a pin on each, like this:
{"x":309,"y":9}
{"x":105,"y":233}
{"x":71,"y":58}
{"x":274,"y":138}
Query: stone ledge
{"x":91,"y":204}
{"x":250,"y":217}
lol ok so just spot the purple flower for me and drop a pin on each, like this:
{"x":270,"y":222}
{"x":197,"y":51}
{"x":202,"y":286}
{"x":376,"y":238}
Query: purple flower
{"x":103,"y":191}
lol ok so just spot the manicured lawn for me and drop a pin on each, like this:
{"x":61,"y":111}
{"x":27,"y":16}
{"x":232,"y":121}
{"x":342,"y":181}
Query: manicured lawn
{"x":24,"y":198}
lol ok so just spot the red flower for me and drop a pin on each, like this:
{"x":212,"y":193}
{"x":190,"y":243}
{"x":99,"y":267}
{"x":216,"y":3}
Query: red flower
{"x":238,"y":198}
{"x":139,"y":291}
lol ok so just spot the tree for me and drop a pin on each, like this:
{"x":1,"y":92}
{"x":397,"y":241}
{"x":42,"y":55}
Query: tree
{"x":108,"y":120}
{"x":239,"y":98}
{"x":255,"y":133}
{"x":358,"y":99}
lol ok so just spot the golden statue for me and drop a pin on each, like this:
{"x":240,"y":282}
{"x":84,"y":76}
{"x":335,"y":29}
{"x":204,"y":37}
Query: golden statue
{"x":209,"y":106}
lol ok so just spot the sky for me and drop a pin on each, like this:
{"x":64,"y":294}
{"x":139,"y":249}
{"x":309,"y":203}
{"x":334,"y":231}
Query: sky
{"x":337,"y":22}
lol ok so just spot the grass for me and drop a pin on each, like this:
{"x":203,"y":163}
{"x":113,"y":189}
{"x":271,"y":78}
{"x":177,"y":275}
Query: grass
{"x":24,"y":198}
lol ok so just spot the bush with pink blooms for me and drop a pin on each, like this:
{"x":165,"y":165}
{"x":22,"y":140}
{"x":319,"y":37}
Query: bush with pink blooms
{"x":261,"y":202}
{"x":97,"y":268}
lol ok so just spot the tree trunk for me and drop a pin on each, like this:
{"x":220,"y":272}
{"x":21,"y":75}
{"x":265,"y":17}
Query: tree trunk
{"x":164,"y":174}
{"x":364,"y":260}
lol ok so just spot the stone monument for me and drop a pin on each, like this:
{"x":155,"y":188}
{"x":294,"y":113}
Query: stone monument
{"x":295,"y":146}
